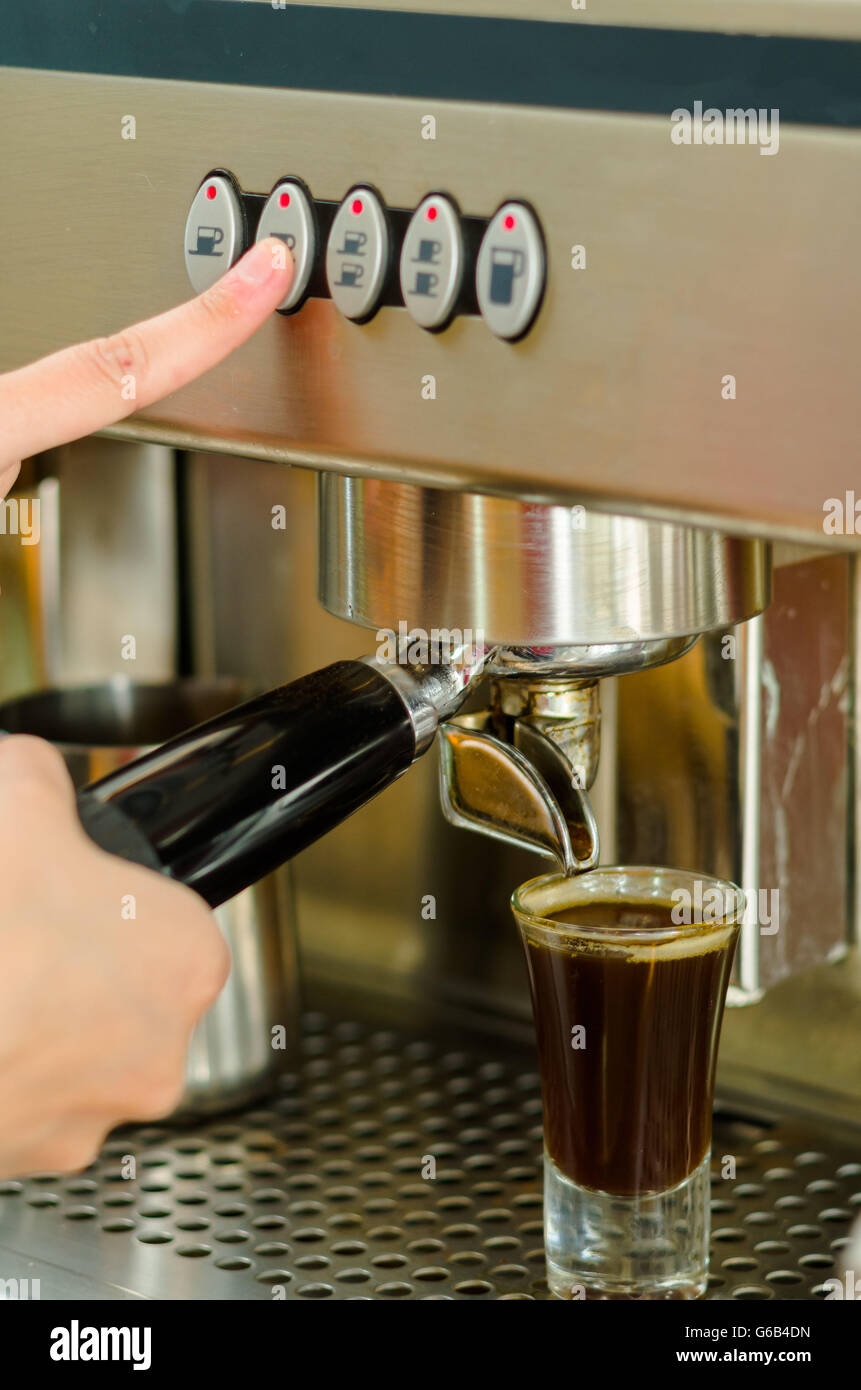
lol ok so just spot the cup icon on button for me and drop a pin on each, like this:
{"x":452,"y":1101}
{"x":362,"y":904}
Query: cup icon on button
{"x":505,"y":267}
{"x":354,"y":243}
{"x":287,"y":237}
{"x":428,"y":252}
{"x":207,"y":240}
{"x":351,"y":275}
{"x":426,"y":283}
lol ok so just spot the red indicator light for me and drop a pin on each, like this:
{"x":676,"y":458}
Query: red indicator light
{"x":510,"y":223}
{"x":211,"y":191}
{"x":357,"y":207}
{"x":284,"y":200}
{"x":431,"y":213}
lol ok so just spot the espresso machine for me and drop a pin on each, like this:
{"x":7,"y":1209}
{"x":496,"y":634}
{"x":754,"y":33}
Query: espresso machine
{"x":529,"y":520}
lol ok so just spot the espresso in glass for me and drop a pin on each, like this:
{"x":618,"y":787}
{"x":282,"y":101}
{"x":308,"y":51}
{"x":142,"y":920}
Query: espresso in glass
{"x":628,"y":990}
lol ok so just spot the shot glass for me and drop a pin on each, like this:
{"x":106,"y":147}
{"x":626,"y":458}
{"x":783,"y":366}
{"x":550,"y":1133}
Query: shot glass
{"x":628,"y":969}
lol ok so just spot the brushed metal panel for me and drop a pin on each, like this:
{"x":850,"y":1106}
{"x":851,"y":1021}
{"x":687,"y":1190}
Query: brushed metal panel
{"x":701,"y":262}
{"x":104,"y":571}
{"x":735,"y":760}
{"x":823,"y":18}
{"x":806,"y":792}
{"x":117,"y":562}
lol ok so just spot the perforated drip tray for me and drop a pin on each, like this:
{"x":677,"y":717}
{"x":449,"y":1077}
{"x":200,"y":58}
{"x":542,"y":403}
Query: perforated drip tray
{"x":327,"y":1191}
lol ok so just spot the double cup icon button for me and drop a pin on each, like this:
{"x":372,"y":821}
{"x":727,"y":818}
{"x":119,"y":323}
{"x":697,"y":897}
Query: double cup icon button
{"x":357,"y":254}
{"x":431,"y":268}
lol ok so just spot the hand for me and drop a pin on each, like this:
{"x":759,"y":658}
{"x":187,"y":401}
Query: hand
{"x":80,"y":389}
{"x":96,"y":1004}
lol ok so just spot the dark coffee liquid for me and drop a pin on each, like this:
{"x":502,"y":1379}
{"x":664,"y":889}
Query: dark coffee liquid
{"x":630,"y":1111}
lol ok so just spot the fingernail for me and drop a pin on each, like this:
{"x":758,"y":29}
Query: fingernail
{"x":265,"y":259}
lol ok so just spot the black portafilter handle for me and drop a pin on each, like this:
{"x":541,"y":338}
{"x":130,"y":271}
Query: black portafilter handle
{"x":229,"y":801}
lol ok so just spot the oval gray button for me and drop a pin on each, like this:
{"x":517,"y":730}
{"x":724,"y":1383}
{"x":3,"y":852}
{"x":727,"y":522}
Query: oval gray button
{"x":509,"y":276}
{"x":288,"y":215}
{"x":432,"y":261}
{"x":214,"y":231}
{"x":357,"y":254}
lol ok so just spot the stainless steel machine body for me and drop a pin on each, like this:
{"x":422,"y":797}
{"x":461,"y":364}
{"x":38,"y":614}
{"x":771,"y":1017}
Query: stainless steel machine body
{"x":670,"y":446}
{"x":617,"y":393}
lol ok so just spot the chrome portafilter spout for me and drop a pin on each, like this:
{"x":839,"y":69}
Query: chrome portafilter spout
{"x":520,"y":770}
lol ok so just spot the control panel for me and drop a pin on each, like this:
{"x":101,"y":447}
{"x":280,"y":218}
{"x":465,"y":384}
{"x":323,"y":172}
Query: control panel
{"x":433,"y":260}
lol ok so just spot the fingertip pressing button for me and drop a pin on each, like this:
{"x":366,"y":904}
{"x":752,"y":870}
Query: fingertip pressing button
{"x":357,"y":254}
{"x":215,"y":234}
{"x":288,"y":214}
{"x":510,"y":272}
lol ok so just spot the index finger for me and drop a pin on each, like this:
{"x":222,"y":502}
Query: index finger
{"x":86,"y":387}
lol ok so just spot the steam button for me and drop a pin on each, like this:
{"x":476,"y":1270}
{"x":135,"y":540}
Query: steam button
{"x":214,"y":231}
{"x":509,"y":276}
{"x":288,"y":214}
{"x":357,"y":256}
{"x":432,"y":262}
